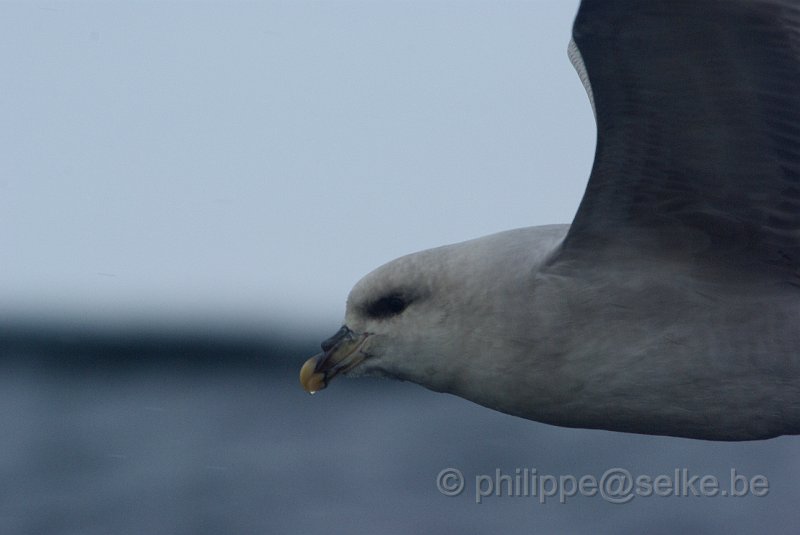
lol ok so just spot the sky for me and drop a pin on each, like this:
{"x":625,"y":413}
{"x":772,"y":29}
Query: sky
{"x":247,"y":163}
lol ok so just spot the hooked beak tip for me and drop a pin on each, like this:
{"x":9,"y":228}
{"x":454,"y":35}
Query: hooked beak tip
{"x":310,"y":378}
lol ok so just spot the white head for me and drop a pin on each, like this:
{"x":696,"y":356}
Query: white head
{"x":431,"y":317}
{"x":408,"y":308}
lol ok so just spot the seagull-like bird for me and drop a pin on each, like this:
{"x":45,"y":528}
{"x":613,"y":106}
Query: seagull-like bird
{"x":671,"y":305}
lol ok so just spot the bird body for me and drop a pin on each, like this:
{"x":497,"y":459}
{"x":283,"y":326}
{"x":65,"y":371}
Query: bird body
{"x":671,"y":305}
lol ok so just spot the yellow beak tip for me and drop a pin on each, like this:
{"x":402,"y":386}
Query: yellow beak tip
{"x":311,"y":380}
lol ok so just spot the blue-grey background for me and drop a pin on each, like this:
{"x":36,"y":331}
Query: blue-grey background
{"x":187,"y":192}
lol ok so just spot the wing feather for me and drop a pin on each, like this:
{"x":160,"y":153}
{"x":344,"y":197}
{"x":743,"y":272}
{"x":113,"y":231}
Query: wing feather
{"x":697,"y":105}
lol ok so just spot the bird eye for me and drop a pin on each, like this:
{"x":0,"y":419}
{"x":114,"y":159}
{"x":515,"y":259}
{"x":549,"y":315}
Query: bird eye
{"x":391,"y":305}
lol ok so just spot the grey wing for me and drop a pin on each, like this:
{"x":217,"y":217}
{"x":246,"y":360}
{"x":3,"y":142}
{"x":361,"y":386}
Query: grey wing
{"x":697,"y":104}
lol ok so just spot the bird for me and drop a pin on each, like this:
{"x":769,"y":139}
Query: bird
{"x":671,"y":304}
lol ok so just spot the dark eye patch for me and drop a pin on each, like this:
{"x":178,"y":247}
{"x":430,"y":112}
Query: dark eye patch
{"x":387,"y":306}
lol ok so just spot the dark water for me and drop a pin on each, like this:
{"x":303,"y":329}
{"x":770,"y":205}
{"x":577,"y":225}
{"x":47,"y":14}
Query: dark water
{"x":171,"y":435}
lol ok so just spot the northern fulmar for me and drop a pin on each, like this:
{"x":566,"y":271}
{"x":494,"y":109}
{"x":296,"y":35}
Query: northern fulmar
{"x":671,"y":304}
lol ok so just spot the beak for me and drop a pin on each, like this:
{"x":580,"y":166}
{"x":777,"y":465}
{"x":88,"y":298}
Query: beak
{"x":340,"y":353}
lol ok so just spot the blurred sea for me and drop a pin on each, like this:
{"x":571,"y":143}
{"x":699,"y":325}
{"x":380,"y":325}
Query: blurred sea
{"x":193,"y":433}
